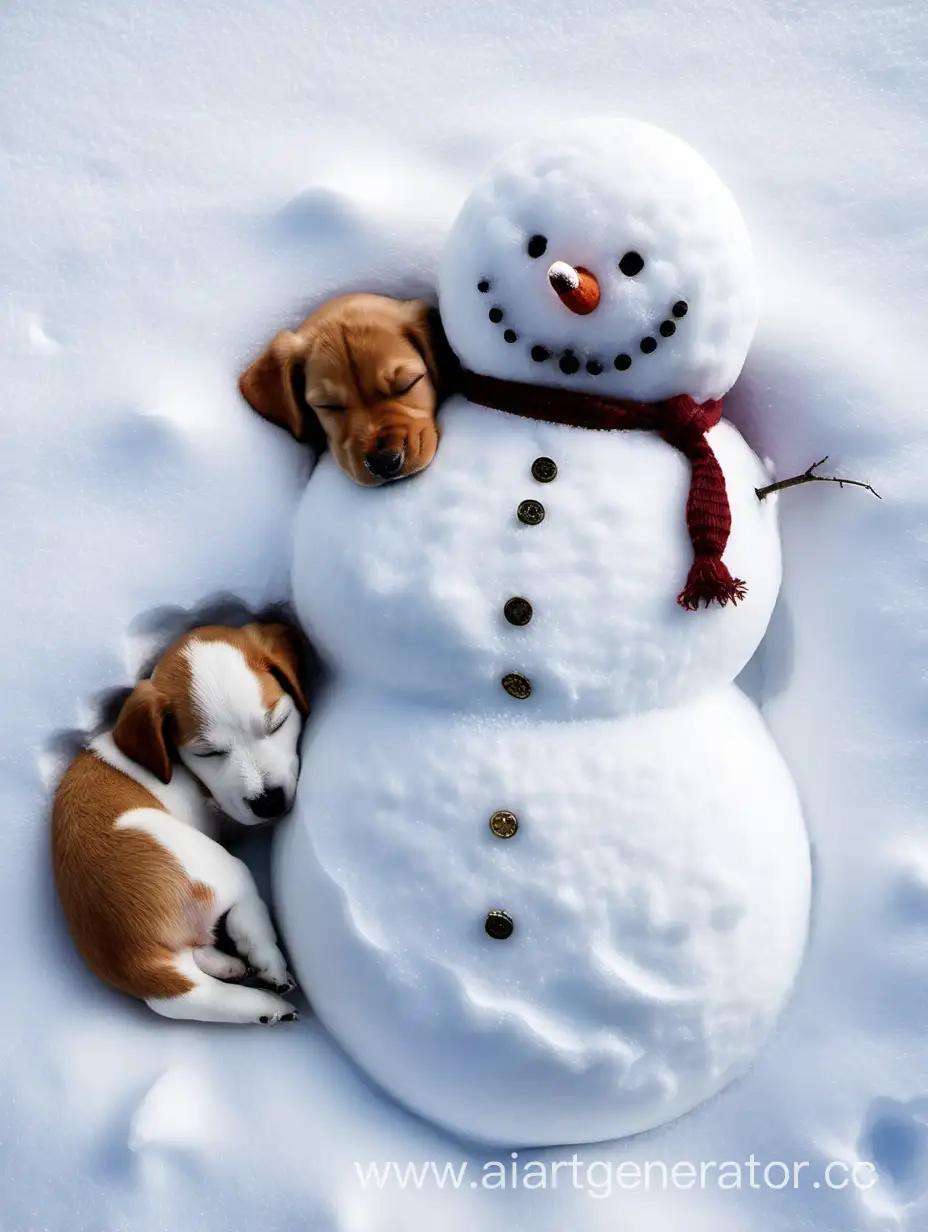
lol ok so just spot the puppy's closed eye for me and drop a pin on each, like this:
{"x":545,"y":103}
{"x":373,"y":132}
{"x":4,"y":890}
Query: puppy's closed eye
{"x":407,"y":386}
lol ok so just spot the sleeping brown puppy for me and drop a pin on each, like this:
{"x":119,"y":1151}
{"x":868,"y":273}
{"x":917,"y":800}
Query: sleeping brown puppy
{"x":361,"y":376}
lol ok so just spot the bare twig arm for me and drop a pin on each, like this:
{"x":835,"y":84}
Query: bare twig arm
{"x":809,"y":476}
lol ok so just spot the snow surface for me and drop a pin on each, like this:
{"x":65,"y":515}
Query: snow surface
{"x":178,"y":182}
{"x":594,"y":191}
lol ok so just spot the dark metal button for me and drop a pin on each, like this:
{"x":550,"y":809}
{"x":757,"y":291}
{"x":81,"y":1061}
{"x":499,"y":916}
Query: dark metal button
{"x":531,"y":512}
{"x":544,"y":469}
{"x":518,"y":611}
{"x":517,"y":685}
{"x":504,"y":824}
{"x":499,"y":926}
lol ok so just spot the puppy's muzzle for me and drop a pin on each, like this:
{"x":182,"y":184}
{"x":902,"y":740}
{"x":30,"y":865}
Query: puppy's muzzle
{"x":385,"y":463}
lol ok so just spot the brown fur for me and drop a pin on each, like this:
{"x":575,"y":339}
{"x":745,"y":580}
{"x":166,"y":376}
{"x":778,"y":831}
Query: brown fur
{"x":271,"y":650}
{"x":358,"y":353}
{"x":129,"y":906}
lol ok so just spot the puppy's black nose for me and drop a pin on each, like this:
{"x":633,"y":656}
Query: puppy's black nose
{"x":385,"y":463}
{"x":269,"y":804}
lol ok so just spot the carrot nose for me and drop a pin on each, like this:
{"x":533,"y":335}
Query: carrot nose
{"x":577,"y":288}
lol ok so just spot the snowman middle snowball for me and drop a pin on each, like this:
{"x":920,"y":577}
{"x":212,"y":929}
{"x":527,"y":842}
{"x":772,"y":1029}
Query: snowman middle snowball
{"x":547,"y":878}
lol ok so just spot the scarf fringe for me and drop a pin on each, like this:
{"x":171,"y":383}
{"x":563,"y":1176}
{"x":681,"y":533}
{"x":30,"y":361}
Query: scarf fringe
{"x":710,"y":582}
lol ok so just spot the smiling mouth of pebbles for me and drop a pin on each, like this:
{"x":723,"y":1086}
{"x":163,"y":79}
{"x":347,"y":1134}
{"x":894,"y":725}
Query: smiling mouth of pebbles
{"x":572,"y":359}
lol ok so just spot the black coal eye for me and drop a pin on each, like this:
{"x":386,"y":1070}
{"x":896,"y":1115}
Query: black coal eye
{"x":631,"y":264}
{"x":537,"y":246}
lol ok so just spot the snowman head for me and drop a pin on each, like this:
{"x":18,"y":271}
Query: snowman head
{"x":605,"y":256}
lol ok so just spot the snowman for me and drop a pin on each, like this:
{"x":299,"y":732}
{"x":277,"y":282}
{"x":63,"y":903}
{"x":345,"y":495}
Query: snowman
{"x":547,"y":878}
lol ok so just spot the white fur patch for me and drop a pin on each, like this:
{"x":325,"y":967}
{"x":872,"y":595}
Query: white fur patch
{"x":248,"y":749}
{"x":226,"y":692}
{"x":200,"y":857}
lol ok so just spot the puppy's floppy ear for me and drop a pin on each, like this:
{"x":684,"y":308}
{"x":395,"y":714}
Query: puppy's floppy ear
{"x":426,"y":333}
{"x":139,"y":731}
{"x":273,"y":385}
{"x":279,"y":644}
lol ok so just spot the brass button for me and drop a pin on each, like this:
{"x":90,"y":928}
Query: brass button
{"x":531,"y":512}
{"x":499,"y":925}
{"x":516,"y":685}
{"x":544,"y":470}
{"x":504,"y":824}
{"x":518,"y":611}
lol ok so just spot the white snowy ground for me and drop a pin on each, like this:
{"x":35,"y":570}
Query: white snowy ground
{"x":178,"y":180}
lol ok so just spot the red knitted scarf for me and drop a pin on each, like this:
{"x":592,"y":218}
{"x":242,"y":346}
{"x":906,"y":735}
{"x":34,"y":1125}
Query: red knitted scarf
{"x":682,"y":423}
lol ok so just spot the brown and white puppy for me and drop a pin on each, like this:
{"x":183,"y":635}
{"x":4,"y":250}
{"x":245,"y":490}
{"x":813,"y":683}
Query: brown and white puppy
{"x":361,"y":376}
{"x":141,"y":878}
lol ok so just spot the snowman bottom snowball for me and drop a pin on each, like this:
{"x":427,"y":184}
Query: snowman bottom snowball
{"x":546,"y":933}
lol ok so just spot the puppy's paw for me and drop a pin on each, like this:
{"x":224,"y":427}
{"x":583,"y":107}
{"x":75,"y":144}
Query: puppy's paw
{"x":236,"y":970}
{"x":218,"y":964}
{"x":288,"y":1014}
{"x":272,"y":969}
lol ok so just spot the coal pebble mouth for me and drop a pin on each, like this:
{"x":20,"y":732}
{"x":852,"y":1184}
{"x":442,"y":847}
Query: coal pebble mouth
{"x":571,"y":359}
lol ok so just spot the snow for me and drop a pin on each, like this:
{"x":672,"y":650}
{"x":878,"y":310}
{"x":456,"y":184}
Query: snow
{"x":591,"y":193}
{"x":182,"y":180}
{"x":658,"y":885}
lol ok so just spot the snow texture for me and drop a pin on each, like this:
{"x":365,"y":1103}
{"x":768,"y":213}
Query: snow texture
{"x":180,"y":181}
{"x":590,"y":193}
{"x":658,"y":883}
